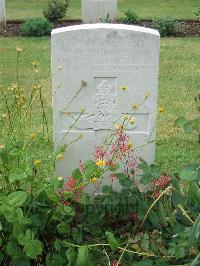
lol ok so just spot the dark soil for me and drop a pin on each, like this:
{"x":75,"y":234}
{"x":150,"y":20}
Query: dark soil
{"x":188,"y":28}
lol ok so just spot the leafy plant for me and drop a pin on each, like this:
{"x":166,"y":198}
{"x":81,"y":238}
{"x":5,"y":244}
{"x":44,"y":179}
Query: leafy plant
{"x":46,"y":219}
{"x":130,"y":17}
{"x":36,"y":27}
{"x":55,"y":10}
{"x":198,"y":12}
{"x":166,"y":26}
{"x":107,"y":19}
{"x":191,"y":125}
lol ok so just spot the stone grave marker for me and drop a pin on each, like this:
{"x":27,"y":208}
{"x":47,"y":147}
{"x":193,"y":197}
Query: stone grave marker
{"x":93,"y":10}
{"x":2,"y":15}
{"x":105,"y":57}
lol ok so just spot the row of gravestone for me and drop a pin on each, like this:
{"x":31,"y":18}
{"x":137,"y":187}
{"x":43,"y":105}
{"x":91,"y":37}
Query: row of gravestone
{"x":2,"y":15}
{"x":92,"y":11}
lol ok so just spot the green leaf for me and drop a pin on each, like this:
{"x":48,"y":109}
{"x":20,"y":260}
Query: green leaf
{"x":194,"y":234}
{"x":189,"y":173}
{"x":13,"y":250}
{"x":68,"y":210}
{"x":17,"y":199}
{"x":18,"y":175}
{"x":180,"y":122}
{"x":71,"y":256}
{"x":194,"y":193}
{"x":91,"y":170}
{"x":146,"y":262}
{"x":83,"y":256}
{"x":114,"y":168}
{"x":22,"y":261}
{"x":52,"y":195}
{"x":63,"y":228}
{"x":1,"y":227}
{"x":162,"y":214}
{"x":76,"y":174}
{"x":195,"y":123}
{"x":111,"y":240}
{"x":124,"y":180}
{"x":33,"y":248}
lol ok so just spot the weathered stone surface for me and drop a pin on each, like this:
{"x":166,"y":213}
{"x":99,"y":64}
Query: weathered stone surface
{"x":2,"y":15}
{"x":93,"y":10}
{"x":106,"y":56}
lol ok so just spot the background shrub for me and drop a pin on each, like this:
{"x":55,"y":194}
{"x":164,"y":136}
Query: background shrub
{"x":130,"y":17}
{"x":166,"y":26}
{"x":55,"y":10}
{"x":36,"y":27}
{"x":198,"y":12}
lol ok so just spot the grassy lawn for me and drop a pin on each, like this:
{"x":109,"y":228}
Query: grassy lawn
{"x":23,"y":9}
{"x":179,"y":83}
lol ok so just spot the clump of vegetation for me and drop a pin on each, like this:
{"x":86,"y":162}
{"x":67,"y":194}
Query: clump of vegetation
{"x":47,"y":219}
{"x":106,"y":19}
{"x":197,"y":13}
{"x":191,"y":125}
{"x":55,"y":10}
{"x":36,"y":27}
{"x":166,"y":26}
{"x":130,"y":17}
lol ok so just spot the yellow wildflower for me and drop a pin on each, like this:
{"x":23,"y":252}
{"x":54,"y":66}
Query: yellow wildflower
{"x":94,"y":180}
{"x":33,"y":135}
{"x":65,"y":113}
{"x":37,"y":162}
{"x":129,"y":146}
{"x":119,"y":127}
{"x":124,"y":88}
{"x":146,"y":94}
{"x":2,"y":146}
{"x":4,"y":115}
{"x":22,"y":100}
{"x":59,"y":157}
{"x":19,"y":49}
{"x":35,"y":64}
{"x":83,"y":83}
{"x":161,"y":109}
{"x":126,"y":117}
{"x":80,"y":136}
{"x":132,"y":121}
{"x":100,"y":162}
{"x":59,"y":178}
{"x":134,"y":106}
{"x":34,"y":89}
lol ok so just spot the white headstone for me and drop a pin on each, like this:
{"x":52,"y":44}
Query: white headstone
{"x":93,"y":10}
{"x":106,"y":56}
{"x":2,"y":15}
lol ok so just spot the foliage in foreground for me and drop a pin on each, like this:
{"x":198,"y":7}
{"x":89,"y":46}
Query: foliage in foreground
{"x":50,"y":221}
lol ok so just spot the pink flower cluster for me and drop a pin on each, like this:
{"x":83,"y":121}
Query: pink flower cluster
{"x":160,"y":184}
{"x":119,"y":151}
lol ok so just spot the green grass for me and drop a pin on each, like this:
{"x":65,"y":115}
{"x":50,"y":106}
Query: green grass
{"x":179,"y":83}
{"x":24,"y":9}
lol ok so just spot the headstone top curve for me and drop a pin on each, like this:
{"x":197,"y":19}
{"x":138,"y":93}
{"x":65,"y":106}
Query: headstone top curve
{"x":105,"y":26}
